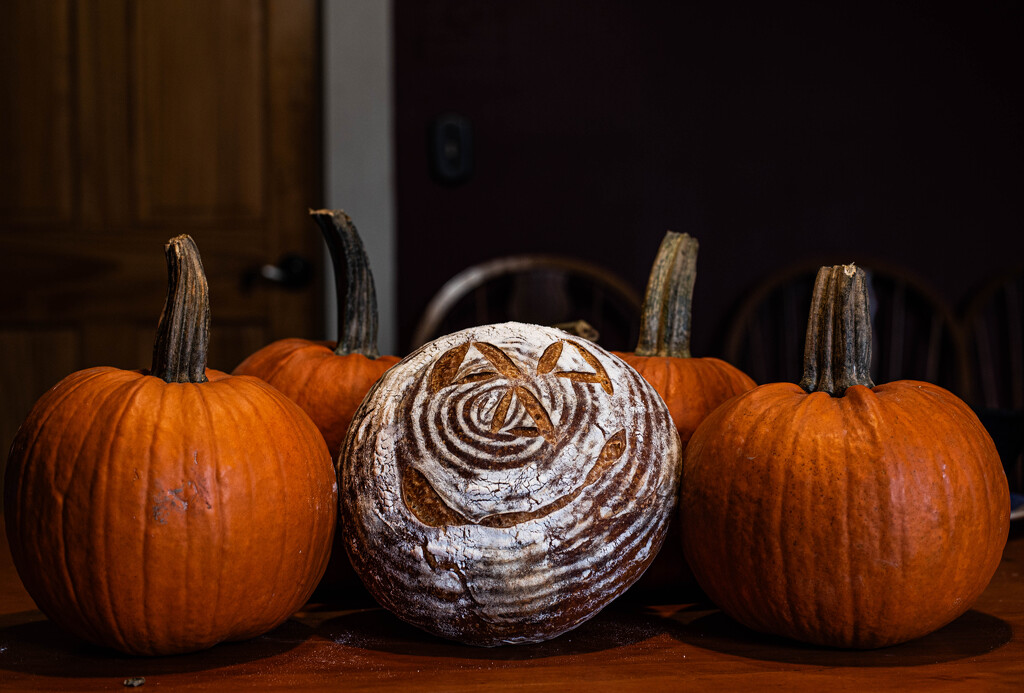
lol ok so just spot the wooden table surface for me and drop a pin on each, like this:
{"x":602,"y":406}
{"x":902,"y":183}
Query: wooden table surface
{"x":628,"y":647}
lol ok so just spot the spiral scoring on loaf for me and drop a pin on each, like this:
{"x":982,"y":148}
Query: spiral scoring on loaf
{"x":504,"y":483}
{"x":494,"y":430}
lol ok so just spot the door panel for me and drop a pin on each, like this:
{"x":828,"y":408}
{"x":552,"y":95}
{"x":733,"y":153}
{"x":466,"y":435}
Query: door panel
{"x":130,"y":122}
{"x":36,"y":120}
{"x":219,"y":173}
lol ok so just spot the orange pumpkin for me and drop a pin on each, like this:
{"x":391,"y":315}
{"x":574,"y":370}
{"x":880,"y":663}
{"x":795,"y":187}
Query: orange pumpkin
{"x":329,"y":379}
{"x":167,"y":510}
{"x":840,"y":513}
{"x":691,"y":387}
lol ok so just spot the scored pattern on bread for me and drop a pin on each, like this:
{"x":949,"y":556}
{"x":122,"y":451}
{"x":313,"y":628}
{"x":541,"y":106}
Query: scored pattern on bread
{"x":504,"y":483}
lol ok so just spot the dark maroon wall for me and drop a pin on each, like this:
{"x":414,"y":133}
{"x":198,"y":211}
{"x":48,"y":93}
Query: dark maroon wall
{"x":773,"y":136}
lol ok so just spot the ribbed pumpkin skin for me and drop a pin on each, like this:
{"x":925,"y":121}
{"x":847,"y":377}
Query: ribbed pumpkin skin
{"x":856,"y":521}
{"x":691,"y":387}
{"x":159,"y":518}
{"x":328,"y":386}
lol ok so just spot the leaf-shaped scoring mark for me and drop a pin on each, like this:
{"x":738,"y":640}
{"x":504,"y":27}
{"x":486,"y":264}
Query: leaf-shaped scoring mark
{"x":504,"y":365}
{"x":424,"y":502}
{"x":501,"y":413}
{"x":549,"y":358}
{"x":599,"y":376}
{"x":447,"y":367}
{"x":540,"y":417}
{"x":446,"y":370}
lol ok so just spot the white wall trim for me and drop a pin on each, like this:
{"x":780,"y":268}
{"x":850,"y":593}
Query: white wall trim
{"x":358,"y":136}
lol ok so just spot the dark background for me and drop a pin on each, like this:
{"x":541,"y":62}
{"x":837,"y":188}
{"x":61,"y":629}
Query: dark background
{"x":775,"y":136}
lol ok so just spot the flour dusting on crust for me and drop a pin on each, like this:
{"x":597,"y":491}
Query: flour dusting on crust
{"x":504,"y":483}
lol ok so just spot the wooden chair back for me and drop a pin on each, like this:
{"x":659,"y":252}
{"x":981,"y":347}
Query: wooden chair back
{"x":539,"y":289}
{"x":994,"y":326}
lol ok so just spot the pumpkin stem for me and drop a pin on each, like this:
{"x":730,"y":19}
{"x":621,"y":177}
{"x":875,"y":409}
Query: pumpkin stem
{"x":183,"y":334}
{"x":665,"y":317}
{"x":357,"y":314}
{"x":837,"y":353}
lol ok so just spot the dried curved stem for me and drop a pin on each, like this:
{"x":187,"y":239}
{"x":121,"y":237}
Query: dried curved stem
{"x":837,"y":352}
{"x":183,"y":333}
{"x":665,"y":318}
{"x":357,"y":313}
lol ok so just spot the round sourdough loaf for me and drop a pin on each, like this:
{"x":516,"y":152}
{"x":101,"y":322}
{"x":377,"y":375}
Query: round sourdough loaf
{"x":504,"y":483}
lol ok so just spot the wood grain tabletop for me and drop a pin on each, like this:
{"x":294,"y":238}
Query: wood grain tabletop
{"x":630,"y":646}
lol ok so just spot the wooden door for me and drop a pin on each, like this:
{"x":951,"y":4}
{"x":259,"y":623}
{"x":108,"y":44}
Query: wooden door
{"x":126,"y":123}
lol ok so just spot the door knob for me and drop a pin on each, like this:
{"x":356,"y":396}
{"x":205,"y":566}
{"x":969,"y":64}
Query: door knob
{"x":291,"y":272}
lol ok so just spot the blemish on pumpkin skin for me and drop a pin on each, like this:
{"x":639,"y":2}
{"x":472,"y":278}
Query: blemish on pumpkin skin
{"x":192,"y":493}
